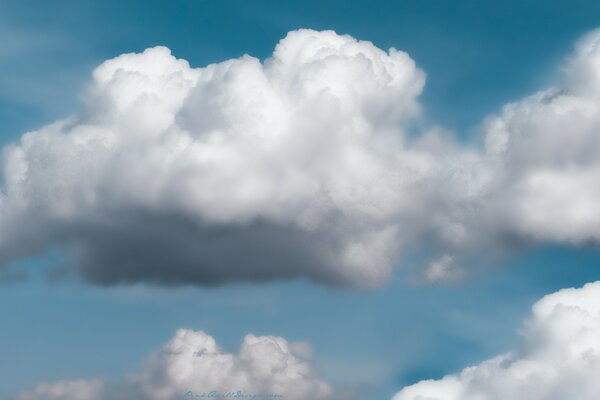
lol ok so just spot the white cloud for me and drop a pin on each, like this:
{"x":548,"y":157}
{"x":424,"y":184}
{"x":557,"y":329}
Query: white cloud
{"x":545,"y":150}
{"x":537,"y":180}
{"x":560,"y":358}
{"x":241,"y":170}
{"x":192,"y":362}
{"x":299,"y":166}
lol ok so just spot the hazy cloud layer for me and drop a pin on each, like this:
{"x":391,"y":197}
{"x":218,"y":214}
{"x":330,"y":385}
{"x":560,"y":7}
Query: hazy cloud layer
{"x":192,"y":362}
{"x":300,"y":166}
{"x":560,"y":358}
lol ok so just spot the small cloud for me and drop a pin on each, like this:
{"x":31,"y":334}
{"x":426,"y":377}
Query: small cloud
{"x":191,"y":362}
{"x":443,"y":270}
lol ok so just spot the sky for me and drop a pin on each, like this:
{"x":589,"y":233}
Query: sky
{"x":373,"y":330}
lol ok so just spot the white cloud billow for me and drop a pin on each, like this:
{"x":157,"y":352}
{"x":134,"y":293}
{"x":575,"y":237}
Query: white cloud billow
{"x":560,"y":358}
{"x":299,"y":166}
{"x":546,"y":151}
{"x":192,"y":362}
{"x":236,"y":171}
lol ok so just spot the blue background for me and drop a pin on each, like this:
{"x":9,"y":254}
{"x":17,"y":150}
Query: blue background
{"x":478,"y":55}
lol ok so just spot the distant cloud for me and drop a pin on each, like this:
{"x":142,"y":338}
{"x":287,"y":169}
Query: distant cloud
{"x":560,"y":358}
{"x":192,"y":362}
{"x":300,"y":166}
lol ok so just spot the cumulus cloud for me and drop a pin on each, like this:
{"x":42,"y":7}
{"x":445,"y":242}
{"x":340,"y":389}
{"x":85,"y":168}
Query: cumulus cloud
{"x":546,"y":149}
{"x":560,"y":358}
{"x":238,"y":171}
{"x":298,"y":166}
{"x":191,"y":364}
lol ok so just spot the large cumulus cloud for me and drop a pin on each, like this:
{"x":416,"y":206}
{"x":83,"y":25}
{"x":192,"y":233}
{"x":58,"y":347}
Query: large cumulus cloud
{"x":241,"y":170}
{"x":298,"y":166}
{"x":191,"y":364}
{"x":560,"y":358}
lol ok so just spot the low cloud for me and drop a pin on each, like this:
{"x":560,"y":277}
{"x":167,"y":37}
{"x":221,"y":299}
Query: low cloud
{"x":559,"y":359}
{"x":297,"y":167}
{"x":192,"y":363}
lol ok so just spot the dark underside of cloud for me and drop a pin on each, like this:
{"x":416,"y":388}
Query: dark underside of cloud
{"x":174,"y":250}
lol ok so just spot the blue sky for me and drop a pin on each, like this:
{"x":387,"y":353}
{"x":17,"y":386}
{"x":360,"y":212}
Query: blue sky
{"x":478,"y":55}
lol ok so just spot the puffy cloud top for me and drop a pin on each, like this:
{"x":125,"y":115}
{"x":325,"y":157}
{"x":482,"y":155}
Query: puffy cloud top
{"x":560,"y":358}
{"x":192,"y":362}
